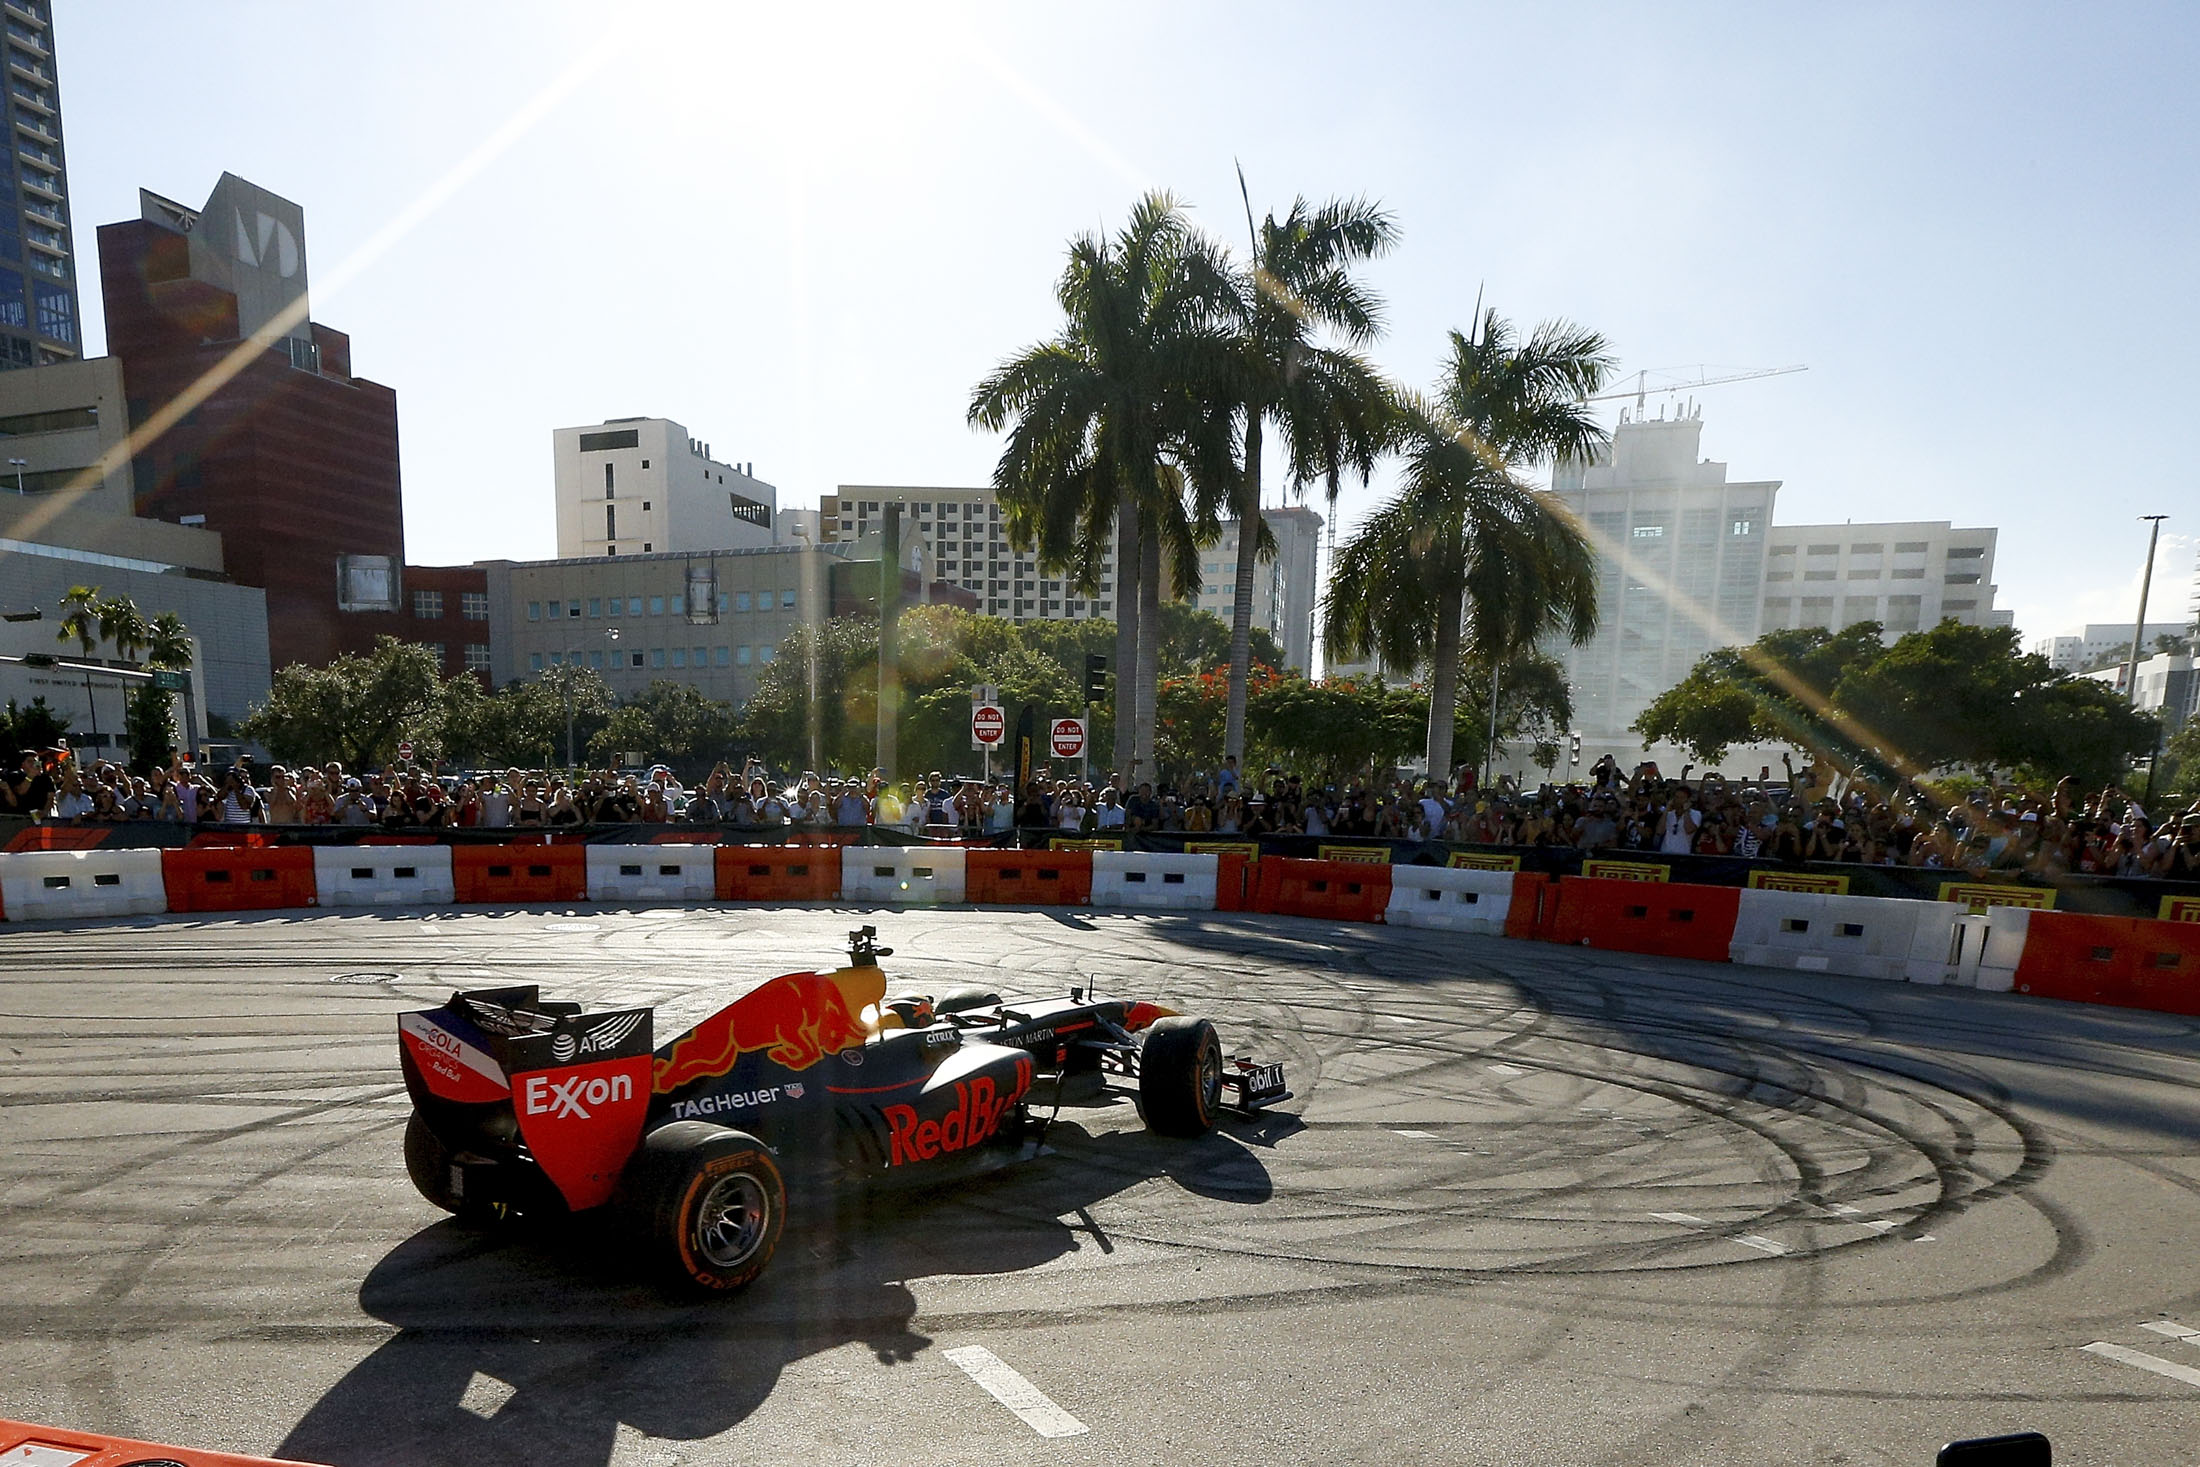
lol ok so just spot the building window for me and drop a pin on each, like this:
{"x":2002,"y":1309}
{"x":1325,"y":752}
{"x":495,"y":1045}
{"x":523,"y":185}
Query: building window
{"x":1825,"y":550}
{"x":764,"y":654}
{"x":607,"y":481}
{"x":1856,"y":574}
{"x":1818,"y":575}
{"x":678,"y":607}
{"x":611,"y":522}
{"x":637,"y":659}
{"x":1960,"y":578}
{"x":645,"y":463}
{"x":572,"y":611}
{"x":437,"y":651}
{"x":534,"y":611}
{"x":612,"y":550}
{"x":602,"y":442}
{"x":679,"y":657}
{"x":633,"y":606}
{"x":1911,"y":547}
{"x":1868,"y":548}
{"x":477,"y":656}
{"x":1915,"y":573}
{"x":740,"y":601}
{"x":656,"y":657}
{"x":1959,"y":606}
{"x":557,"y":610}
{"x":1744,"y":527}
{"x":1779,"y":575}
{"x":1966,"y":552}
{"x":647,"y":547}
{"x":534,"y":662}
{"x":56,"y":316}
{"x":656,"y":606}
{"x":1904,"y":612}
{"x":427,"y":605}
{"x":786,"y":600}
{"x":741,"y":656}
{"x":1649,"y":532}
{"x":474,"y":605}
{"x":645,"y":506}
{"x":702,"y":655}
{"x":720,"y":656}
{"x":1782,"y":550}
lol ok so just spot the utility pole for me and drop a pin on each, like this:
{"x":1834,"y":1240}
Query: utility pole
{"x":2139,"y":630}
{"x":889,"y":636}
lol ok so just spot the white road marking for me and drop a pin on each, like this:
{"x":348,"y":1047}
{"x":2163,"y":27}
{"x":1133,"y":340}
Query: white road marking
{"x":1013,"y":1391}
{"x":1882,"y":1225}
{"x":1506,"y":1070}
{"x":1842,"y":1209}
{"x":2173,"y":1329}
{"x":1686,"y":1219}
{"x":1763,"y":1244}
{"x":1416,"y":1135}
{"x":1400,"y":1019}
{"x":2144,"y":1361}
{"x":485,"y":1395}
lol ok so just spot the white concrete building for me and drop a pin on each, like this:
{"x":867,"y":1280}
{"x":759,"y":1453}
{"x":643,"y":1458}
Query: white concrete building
{"x":1907,"y":576}
{"x":1680,"y":569}
{"x":2096,"y":641}
{"x":642,"y":486}
{"x":963,"y":542}
{"x":2167,"y":685}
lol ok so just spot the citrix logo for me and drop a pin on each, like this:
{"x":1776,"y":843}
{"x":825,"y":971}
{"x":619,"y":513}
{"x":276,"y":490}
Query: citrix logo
{"x":573,"y":1097}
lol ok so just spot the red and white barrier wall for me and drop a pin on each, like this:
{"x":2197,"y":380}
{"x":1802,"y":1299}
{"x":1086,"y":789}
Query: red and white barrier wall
{"x":2134,"y":962}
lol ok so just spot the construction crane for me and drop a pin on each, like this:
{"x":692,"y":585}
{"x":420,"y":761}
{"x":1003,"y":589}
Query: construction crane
{"x":1705,"y":376}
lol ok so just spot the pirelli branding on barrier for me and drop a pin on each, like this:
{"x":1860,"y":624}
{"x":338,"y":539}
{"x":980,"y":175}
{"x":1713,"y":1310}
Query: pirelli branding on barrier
{"x":1481,"y":861}
{"x":1249,"y":849}
{"x":1979,"y":895}
{"x":1626,"y":870}
{"x":1824,"y":884}
{"x":1084,"y":843}
{"x":2179,"y":909}
{"x":1372,"y":855}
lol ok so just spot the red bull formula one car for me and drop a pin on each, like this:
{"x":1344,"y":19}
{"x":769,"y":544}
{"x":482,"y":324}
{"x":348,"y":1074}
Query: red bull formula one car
{"x":524,"y":1105}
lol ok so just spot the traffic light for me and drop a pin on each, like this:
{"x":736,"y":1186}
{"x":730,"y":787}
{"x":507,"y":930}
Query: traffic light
{"x":1096,"y":678}
{"x":1573,"y":756}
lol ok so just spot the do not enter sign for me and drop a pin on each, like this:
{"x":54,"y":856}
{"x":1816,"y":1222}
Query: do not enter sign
{"x":987,"y":727}
{"x":405,"y":751}
{"x":1068,"y":737}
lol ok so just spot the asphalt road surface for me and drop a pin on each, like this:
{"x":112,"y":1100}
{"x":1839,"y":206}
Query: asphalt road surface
{"x":1531,"y":1205}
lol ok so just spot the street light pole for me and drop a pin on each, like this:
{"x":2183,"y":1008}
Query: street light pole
{"x":573,"y":660}
{"x":2139,"y":629}
{"x":18,"y":464}
{"x":813,"y":623}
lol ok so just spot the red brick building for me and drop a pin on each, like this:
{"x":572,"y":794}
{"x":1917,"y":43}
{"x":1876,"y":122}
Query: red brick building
{"x":250,"y":422}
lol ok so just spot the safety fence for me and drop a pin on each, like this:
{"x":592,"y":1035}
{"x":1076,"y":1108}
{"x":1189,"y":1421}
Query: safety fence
{"x":2140,"y":962}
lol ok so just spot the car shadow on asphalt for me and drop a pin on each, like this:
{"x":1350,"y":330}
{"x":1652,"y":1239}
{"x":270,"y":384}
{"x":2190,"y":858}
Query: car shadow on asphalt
{"x":546,"y":1343}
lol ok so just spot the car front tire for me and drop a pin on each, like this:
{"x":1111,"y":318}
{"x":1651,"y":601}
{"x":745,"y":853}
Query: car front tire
{"x":1180,"y":1077}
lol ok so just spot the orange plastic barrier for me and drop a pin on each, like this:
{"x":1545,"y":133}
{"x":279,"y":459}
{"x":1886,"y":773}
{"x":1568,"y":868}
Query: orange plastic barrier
{"x":1664,"y":920}
{"x":238,"y":878}
{"x":1028,"y":878}
{"x":21,"y":1442}
{"x":1534,"y":905}
{"x":1341,"y":891}
{"x":779,"y":873}
{"x":535,"y":873}
{"x":1233,"y":882}
{"x":2132,"y":962}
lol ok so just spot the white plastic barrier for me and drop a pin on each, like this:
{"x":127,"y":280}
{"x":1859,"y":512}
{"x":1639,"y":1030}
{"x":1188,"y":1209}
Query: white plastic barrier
{"x":1154,"y":880}
{"x":2006,"y":929}
{"x":36,"y":885}
{"x":1947,"y":945}
{"x":1459,"y":898}
{"x":1822,"y":932}
{"x":383,"y":876}
{"x":680,"y":873}
{"x":901,"y":876}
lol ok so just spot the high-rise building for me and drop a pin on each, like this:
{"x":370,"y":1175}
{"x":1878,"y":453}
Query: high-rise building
{"x":40,"y":323}
{"x":251,"y":422}
{"x":1680,"y":566}
{"x":964,"y":542}
{"x":1905,"y":575}
{"x":642,"y":486}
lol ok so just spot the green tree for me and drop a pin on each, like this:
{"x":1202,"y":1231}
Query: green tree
{"x":2180,"y":772}
{"x":1192,"y":641}
{"x":1329,"y":407}
{"x":674,"y":722}
{"x":355,"y":709}
{"x":1113,"y":421}
{"x":1950,"y":698}
{"x":1466,"y":551}
{"x":35,"y":727}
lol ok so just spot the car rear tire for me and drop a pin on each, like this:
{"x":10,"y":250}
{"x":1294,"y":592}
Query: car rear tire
{"x":707,"y":1204}
{"x":1180,"y":1077}
{"x":429,"y":1163}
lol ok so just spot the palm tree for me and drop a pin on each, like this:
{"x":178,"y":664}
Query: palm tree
{"x":1330,"y":407}
{"x":1111,"y":420}
{"x":1467,"y":548}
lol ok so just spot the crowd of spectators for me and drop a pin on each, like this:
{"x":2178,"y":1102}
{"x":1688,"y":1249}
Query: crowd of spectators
{"x":1799,"y":818}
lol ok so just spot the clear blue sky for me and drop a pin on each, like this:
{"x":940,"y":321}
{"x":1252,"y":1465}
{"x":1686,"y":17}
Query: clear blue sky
{"x":806,"y":235}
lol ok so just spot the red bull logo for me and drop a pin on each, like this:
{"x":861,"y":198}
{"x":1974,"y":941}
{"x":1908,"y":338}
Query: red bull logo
{"x":796,"y":1020}
{"x":979,"y":1106}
